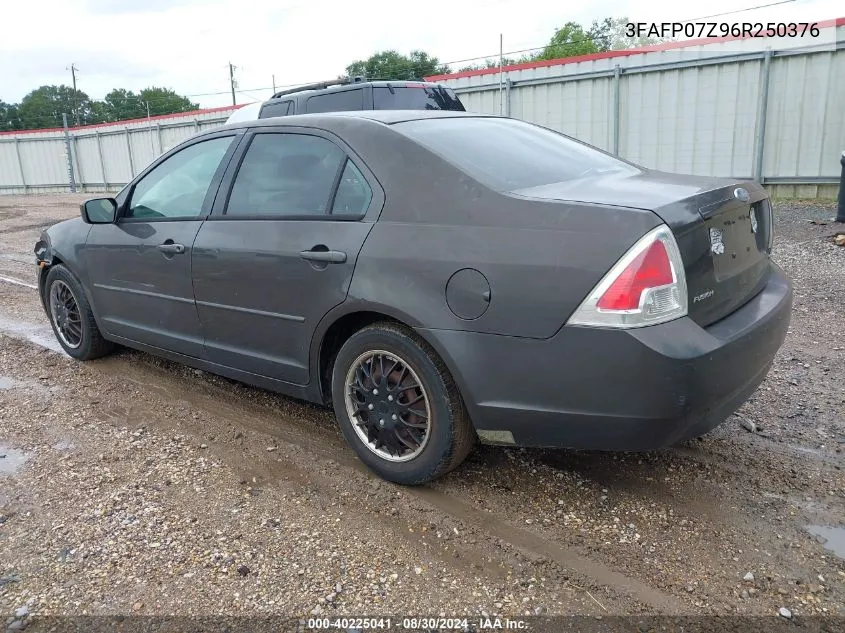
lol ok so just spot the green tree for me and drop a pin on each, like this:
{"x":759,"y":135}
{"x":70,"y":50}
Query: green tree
{"x":44,"y":106}
{"x":568,"y":41}
{"x":494,"y":63}
{"x":100,"y":112}
{"x":164,"y":101}
{"x":609,"y":35}
{"x":121,"y":104}
{"x":392,"y":65}
{"x":601,"y":32}
{"x":9,"y":118}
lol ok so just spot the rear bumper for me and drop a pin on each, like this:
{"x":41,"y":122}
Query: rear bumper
{"x":605,"y":389}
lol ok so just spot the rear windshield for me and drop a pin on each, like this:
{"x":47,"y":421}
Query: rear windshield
{"x":415,"y":98}
{"x":506,"y":154}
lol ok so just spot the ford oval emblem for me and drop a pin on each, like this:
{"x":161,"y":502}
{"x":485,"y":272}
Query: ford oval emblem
{"x":741,"y":194}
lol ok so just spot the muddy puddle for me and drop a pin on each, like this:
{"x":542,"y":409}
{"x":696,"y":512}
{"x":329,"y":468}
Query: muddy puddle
{"x":39,"y":334}
{"x":833,"y":538}
{"x":11,"y":460}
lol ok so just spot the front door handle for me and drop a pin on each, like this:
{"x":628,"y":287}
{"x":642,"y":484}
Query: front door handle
{"x":169,"y":248}
{"x":326,"y":256}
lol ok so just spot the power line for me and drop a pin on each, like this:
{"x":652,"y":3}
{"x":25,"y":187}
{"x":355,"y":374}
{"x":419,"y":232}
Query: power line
{"x":592,"y":39}
{"x":249,"y":96}
{"x":73,"y":70}
{"x":233,"y":84}
{"x":470,"y":59}
{"x":759,"y":6}
{"x":495,"y":55}
{"x":215,"y":94}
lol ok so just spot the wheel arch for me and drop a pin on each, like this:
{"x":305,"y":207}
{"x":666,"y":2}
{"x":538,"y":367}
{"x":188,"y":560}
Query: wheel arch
{"x":57,"y":259}
{"x":336,"y":328}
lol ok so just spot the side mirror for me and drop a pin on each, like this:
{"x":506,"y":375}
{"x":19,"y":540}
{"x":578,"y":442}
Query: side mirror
{"x":99,"y":211}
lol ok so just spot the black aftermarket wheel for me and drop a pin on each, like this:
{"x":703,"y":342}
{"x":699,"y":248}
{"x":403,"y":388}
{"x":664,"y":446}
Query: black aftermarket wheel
{"x":397,"y":405}
{"x":71,"y":316}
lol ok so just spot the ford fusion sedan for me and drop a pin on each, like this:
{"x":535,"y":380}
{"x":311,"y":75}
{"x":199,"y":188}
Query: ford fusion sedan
{"x":436,"y":277}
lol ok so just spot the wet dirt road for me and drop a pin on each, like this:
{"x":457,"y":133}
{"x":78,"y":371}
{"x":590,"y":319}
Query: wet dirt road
{"x":134,"y":485}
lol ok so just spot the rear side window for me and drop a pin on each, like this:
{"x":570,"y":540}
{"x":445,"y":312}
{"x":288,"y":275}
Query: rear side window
{"x":506,"y":154}
{"x":353,"y":193}
{"x":286,"y":175}
{"x":276,"y":109}
{"x":340,"y":101}
{"x":415,"y":98}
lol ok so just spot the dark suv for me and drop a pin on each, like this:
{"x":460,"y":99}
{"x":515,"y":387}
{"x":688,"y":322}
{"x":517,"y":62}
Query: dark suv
{"x":355,"y":94}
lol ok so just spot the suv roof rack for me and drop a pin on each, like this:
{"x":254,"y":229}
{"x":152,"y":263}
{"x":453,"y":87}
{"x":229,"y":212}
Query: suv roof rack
{"x":320,"y":85}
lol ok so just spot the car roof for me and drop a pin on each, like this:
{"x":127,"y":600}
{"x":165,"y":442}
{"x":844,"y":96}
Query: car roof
{"x":389,"y":117}
{"x":386,"y":117}
{"x":319,"y":119}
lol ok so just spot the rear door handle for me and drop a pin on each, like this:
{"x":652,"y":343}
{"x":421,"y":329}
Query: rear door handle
{"x":329,"y":257}
{"x":169,"y":248}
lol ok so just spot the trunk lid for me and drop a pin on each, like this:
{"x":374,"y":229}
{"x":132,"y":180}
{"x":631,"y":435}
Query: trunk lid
{"x":724,"y":237}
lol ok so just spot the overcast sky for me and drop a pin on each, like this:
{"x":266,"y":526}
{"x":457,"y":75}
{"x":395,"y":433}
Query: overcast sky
{"x":186,"y":44}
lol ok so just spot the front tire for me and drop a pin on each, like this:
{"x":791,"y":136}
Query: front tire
{"x":398,"y":406}
{"x":71,"y":316}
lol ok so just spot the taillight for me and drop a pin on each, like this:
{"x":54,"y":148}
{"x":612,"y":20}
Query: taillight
{"x":645,"y":287}
{"x":770,"y":217}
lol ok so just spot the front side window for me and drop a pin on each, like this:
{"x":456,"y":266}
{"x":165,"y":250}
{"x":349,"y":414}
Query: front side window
{"x":177,"y":187}
{"x":285,"y":175}
{"x":507,"y":155}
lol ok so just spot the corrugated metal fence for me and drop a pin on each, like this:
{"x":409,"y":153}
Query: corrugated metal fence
{"x":103,"y":157}
{"x":728,"y":108}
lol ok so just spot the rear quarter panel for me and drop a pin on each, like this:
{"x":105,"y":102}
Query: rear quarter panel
{"x":541,"y":258}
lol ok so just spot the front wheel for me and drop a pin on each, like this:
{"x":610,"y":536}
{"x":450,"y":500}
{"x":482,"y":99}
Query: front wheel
{"x":398,"y":406}
{"x":71,"y":316}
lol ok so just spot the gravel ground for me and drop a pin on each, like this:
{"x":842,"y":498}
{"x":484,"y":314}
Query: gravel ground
{"x":135,"y":485}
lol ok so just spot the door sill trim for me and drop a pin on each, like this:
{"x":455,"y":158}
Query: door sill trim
{"x":302,"y":392}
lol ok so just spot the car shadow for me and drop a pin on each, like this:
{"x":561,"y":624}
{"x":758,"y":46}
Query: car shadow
{"x":683,"y":479}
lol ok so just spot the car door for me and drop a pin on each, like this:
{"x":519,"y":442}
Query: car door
{"x":279,"y":250}
{"x":140,"y":266}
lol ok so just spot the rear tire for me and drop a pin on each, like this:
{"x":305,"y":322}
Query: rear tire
{"x":398,"y":406}
{"x":71,"y":317}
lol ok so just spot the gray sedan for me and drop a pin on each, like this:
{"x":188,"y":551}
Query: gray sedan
{"x":436,"y":277}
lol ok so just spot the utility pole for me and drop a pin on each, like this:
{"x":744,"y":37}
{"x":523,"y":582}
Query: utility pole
{"x":150,"y":130}
{"x":69,"y":154}
{"x":840,"y":213}
{"x":501,"y":86}
{"x":232,"y":82}
{"x":73,"y":70}
{"x":274,"y":84}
